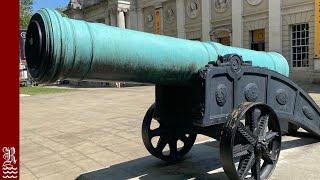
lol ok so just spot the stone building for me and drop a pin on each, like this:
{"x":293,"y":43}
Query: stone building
{"x":291,"y":27}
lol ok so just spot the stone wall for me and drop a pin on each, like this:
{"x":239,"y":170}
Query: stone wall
{"x":193,"y":19}
{"x":149,"y":19}
{"x":95,"y":13}
{"x":297,"y":14}
{"x":170,"y":18}
{"x":255,"y":17}
{"x":221,"y":22}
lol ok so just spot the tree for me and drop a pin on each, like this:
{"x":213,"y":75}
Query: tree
{"x":25,"y":13}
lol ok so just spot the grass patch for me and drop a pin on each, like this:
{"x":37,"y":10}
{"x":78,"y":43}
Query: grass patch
{"x":43,"y":90}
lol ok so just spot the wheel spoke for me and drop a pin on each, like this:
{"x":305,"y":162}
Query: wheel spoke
{"x":245,"y":165}
{"x":263,"y":124}
{"x":256,"y":169}
{"x":256,"y":113}
{"x":184,"y":139}
{"x":241,"y":150}
{"x":270,"y":136}
{"x":247,"y":134}
{"x":161,"y":144}
{"x":266,"y":156}
{"x":250,"y":178}
{"x":173,"y":148}
{"x":155,"y":132}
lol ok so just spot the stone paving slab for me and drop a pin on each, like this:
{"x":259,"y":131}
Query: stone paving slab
{"x":95,"y":134}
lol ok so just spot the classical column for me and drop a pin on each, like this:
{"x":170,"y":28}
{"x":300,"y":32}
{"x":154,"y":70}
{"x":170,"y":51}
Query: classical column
{"x":107,"y":19}
{"x":181,"y":30}
{"x":128,"y":19}
{"x":113,"y":18}
{"x":237,"y":26}
{"x":133,"y":20}
{"x":316,"y":61}
{"x":140,"y":19}
{"x":206,"y":17}
{"x":121,"y":21}
{"x":275,"y":43}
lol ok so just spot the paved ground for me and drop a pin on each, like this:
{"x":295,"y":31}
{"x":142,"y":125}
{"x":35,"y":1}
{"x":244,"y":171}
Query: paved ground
{"x":95,"y":134}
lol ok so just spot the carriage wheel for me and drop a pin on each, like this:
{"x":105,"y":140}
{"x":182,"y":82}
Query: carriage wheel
{"x":250,"y":142}
{"x":166,"y":135}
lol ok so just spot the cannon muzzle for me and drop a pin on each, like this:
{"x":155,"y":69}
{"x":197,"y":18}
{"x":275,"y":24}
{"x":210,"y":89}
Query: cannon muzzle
{"x":61,"y":48}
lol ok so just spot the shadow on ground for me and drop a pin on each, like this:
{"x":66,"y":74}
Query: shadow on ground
{"x":201,"y":163}
{"x":310,"y":88}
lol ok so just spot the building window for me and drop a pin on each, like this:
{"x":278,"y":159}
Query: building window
{"x":300,"y":45}
{"x":258,"y":40}
{"x":224,"y":40}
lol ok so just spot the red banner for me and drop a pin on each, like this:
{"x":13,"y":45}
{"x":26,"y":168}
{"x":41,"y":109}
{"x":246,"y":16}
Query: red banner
{"x":9,"y":73}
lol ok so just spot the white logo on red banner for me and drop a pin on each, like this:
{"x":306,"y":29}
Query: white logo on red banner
{"x":9,"y":169}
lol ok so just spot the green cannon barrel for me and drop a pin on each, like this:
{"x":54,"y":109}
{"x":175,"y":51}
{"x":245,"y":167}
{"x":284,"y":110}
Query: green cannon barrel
{"x":61,"y":48}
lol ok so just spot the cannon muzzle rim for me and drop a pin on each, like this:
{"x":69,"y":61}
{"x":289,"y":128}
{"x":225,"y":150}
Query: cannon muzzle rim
{"x":33,"y":48}
{"x":40,"y":48}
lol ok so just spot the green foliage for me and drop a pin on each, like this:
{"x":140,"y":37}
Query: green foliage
{"x":43,"y":90}
{"x":25,"y":12}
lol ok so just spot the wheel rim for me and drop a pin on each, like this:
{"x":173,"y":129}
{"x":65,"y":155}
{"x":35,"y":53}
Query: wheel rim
{"x":167,"y":135}
{"x":251,"y":142}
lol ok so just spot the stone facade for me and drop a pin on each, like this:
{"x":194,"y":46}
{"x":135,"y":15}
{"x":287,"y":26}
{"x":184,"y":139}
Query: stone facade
{"x":257,"y":24}
{"x":111,"y":12}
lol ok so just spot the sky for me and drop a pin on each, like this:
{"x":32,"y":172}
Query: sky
{"x":38,"y":4}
